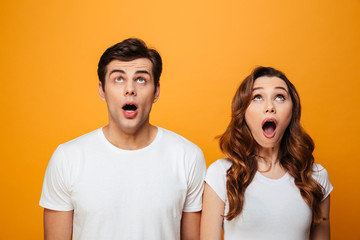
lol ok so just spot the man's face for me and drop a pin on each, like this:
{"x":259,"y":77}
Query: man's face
{"x":129,"y":93}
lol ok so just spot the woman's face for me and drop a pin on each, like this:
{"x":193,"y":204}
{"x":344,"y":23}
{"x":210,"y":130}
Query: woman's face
{"x":270,"y":111}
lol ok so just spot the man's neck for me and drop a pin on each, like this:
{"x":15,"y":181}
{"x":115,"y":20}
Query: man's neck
{"x":130,"y":140}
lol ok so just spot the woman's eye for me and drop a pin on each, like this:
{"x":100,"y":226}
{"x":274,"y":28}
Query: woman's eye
{"x":280,"y":97}
{"x":257,"y":98}
{"x":141,"y":80}
{"x":119,"y":79}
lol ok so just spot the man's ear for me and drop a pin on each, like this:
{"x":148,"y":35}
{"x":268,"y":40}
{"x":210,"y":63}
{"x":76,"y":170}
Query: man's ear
{"x":101,"y":92}
{"x":157,"y":93}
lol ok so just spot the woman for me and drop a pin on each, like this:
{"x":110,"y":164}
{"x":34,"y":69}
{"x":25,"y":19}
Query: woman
{"x":269,"y":186}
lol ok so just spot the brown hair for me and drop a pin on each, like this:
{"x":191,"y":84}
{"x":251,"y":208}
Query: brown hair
{"x":128,"y":50}
{"x":295,"y":153}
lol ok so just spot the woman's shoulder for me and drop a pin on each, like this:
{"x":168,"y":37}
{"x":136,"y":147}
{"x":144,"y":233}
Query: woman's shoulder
{"x":320,"y":174}
{"x":222,"y":164}
{"x":318,"y":171}
{"x":216,"y":177}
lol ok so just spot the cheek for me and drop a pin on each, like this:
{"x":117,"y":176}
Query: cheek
{"x":250,"y":119}
{"x":287,"y":115}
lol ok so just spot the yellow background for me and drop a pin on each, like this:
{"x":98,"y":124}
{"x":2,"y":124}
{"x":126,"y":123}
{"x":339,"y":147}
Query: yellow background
{"x":49,"y":53}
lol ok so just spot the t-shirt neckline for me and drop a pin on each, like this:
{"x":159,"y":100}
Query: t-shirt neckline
{"x":284,"y":177}
{"x":117,"y":149}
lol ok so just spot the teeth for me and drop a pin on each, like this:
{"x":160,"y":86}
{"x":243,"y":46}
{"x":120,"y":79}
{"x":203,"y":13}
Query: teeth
{"x":130,"y":108}
{"x":270,"y":121}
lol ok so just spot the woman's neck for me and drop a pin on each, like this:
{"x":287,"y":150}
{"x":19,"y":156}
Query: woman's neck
{"x":269,"y":164}
{"x":268,"y":155}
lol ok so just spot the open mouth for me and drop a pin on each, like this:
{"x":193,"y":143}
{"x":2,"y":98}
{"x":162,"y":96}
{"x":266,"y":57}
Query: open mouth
{"x":269,"y":127}
{"x":129,"y":107}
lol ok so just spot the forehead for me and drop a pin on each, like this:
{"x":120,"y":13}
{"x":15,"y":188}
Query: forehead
{"x":269,"y":83}
{"x":130,"y":66}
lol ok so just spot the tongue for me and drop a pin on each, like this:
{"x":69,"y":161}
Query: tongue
{"x":269,"y":128}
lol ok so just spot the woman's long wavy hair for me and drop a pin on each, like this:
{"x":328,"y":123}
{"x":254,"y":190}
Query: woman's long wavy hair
{"x":295,"y":152}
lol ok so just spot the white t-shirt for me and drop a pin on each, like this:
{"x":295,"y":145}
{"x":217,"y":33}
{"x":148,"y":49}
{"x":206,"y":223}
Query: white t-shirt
{"x":273,"y":208}
{"x":124,"y":194}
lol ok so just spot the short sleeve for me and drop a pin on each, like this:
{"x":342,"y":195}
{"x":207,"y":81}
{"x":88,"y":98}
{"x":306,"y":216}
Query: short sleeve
{"x":195,"y":181}
{"x":321,"y":176}
{"x":56,"y":194}
{"x":216,"y":177}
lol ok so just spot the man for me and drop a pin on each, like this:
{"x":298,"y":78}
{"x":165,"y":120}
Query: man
{"x":129,"y":179}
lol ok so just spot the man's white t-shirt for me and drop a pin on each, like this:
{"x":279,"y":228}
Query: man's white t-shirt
{"x":273,"y":208}
{"x":125,"y":194}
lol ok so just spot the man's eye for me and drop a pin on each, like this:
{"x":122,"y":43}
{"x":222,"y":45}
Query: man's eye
{"x":141,"y":80}
{"x":119,"y":79}
{"x":257,"y":98}
{"x":280,"y":97}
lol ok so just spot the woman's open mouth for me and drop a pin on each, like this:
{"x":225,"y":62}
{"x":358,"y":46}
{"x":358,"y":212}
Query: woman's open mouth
{"x":269,"y":127}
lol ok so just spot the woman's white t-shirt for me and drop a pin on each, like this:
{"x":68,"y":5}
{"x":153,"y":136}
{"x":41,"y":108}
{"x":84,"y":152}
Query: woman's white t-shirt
{"x":273,"y":208}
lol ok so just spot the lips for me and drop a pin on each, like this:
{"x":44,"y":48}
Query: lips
{"x":130,"y":109}
{"x":269,"y":127}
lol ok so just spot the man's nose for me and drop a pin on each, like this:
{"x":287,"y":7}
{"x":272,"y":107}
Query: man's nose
{"x":130,"y":90}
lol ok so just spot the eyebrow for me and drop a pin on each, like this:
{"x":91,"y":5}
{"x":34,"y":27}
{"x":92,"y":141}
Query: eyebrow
{"x":282,"y":88}
{"x":142,"y":71}
{"x":122,"y":71}
{"x":116,"y":70}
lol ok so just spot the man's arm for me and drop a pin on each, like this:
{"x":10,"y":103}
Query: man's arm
{"x":190,"y":226}
{"x":322,"y":231}
{"x":58,"y":224}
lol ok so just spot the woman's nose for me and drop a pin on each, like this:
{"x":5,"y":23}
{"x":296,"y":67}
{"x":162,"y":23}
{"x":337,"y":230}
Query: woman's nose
{"x":270,"y":108}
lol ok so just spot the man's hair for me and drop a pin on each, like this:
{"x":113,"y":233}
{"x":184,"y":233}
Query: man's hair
{"x":128,"y":50}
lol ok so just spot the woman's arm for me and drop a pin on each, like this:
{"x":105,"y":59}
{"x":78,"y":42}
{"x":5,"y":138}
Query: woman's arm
{"x":211,"y":216}
{"x":322,"y":231}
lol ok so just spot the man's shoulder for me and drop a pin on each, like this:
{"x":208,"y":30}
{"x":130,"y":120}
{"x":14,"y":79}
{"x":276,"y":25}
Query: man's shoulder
{"x":82,"y":141}
{"x":176,"y":147}
{"x":177,"y":140}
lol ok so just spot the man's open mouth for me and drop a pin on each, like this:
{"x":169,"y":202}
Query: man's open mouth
{"x":129,"y":107}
